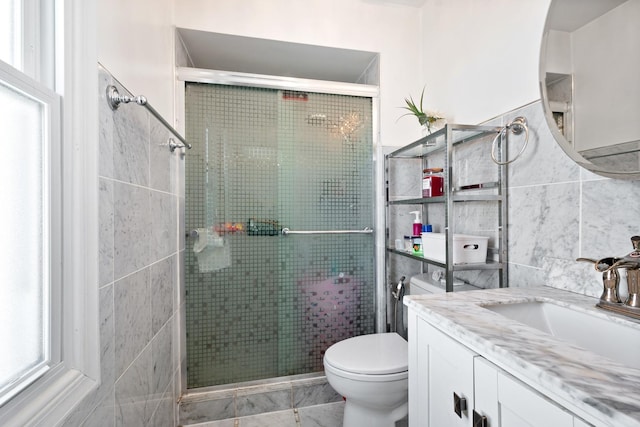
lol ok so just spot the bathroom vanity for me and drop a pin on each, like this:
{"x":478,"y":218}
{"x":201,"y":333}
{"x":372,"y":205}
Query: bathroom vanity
{"x":521,"y":356}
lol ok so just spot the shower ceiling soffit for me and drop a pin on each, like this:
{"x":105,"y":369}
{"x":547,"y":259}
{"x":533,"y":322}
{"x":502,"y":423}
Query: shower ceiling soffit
{"x":216,"y":51}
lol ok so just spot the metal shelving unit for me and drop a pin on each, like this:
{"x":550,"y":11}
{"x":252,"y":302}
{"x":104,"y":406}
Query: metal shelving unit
{"x":442,"y":145}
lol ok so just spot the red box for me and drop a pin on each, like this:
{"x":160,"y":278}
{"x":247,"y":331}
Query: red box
{"x":432,"y":184}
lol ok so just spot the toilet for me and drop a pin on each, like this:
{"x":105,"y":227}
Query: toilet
{"x":371,"y":372}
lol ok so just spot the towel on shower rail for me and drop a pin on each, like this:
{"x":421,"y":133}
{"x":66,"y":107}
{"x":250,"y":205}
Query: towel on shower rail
{"x":212,"y":251}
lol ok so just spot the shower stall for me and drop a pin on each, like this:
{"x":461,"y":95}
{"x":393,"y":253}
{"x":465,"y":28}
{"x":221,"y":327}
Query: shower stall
{"x":262,"y":303}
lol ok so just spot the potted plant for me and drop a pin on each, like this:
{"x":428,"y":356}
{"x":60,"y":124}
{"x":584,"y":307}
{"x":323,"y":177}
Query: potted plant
{"x":426,"y":118}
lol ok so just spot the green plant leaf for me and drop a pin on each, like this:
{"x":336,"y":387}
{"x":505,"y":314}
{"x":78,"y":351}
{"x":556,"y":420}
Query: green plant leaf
{"x":418,"y":111}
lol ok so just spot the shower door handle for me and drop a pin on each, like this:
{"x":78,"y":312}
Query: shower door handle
{"x":366,"y":230}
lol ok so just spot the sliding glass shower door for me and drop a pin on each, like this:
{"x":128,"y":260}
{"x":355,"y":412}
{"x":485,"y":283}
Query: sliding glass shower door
{"x":263,"y":304}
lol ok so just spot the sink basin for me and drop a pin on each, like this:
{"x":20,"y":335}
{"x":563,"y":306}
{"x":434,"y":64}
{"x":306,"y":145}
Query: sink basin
{"x":597,"y":334}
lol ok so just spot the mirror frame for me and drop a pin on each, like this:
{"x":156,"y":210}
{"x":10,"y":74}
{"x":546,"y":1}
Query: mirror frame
{"x":557,"y":135}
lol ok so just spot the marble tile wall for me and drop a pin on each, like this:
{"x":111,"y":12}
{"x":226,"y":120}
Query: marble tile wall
{"x":141,"y":204}
{"x":558,"y":212}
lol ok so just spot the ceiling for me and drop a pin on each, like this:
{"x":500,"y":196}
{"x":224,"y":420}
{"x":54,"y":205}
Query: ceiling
{"x":226,"y":52}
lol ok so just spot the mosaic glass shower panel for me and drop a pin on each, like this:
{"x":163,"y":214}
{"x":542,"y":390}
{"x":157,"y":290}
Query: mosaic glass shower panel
{"x":262,"y":160}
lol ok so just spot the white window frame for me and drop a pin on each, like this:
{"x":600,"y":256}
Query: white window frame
{"x":51,"y":208}
{"x":74,"y":307}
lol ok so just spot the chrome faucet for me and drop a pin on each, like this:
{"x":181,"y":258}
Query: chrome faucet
{"x":610,"y":300}
{"x":633,"y":275}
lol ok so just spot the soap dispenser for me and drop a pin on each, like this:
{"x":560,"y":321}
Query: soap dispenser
{"x":417,"y":223}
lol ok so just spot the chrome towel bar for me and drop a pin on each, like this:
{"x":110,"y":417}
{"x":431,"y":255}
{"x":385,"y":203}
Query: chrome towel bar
{"x":115,"y":99}
{"x":366,"y":230}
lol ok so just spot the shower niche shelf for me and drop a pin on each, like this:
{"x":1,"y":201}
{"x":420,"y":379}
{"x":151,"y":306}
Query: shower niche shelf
{"x":474,"y":200}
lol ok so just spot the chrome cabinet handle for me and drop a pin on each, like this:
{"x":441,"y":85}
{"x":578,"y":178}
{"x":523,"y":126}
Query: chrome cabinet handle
{"x":459,"y":404}
{"x":479,"y":420}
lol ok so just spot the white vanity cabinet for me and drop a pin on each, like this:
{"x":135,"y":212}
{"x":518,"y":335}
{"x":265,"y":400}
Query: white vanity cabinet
{"x":450,"y":385}
{"x":505,"y":401}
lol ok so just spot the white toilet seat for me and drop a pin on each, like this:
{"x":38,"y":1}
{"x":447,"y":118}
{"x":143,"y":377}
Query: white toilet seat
{"x":375,"y":357}
{"x":398,"y":376}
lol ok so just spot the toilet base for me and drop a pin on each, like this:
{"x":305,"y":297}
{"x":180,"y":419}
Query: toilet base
{"x":356,"y":415}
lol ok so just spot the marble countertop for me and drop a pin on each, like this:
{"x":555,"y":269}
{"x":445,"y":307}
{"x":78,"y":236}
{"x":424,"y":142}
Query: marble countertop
{"x":578,"y":379}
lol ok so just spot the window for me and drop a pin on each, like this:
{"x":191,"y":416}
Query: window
{"x":10,"y":42}
{"x":48,"y":309}
{"x":28,"y":276}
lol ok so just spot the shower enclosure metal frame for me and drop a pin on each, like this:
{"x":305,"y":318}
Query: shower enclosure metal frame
{"x":185,"y":74}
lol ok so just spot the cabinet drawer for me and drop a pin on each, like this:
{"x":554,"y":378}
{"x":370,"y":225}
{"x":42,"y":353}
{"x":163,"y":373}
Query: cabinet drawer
{"x":521,"y":406}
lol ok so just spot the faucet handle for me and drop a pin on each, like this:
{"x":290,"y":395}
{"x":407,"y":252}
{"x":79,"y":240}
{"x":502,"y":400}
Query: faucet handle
{"x":610,"y":277}
{"x":603,"y":264}
{"x":635,"y":241}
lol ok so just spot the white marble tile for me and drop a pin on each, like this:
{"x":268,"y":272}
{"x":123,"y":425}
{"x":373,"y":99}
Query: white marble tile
{"x":182,"y":227}
{"x":543,"y":161}
{"x":477,"y":219}
{"x":163,"y":415}
{"x":132,"y":318}
{"x":586,"y":175}
{"x":100,"y":400}
{"x":593,"y":383}
{"x":314,"y":393}
{"x":134,"y":405}
{"x":610,"y":213}
{"x":543,"y":221}
{"x":105,"y":118}
{"x":327,"y":415}
{"x":107,"y":338}
{"x":281,"y":419}
{"x":160,"y":157}
{"x":103,"y":415}
{"x":220,"y":423}
{"x":106,"y":232}
{"x":131,"y":143}
{"x":161,"y":354}
{"x":572,"y":275}
{"x":178,"y":394}
{"x":521,"y":276}
{"x":179,"y":296}
{"x":200,"y":409}
{"x":256,"y":400}
{"x":132,"y":228}
{"x":163,"y":282}
{"x":163,"y":222}
{"x":405,"y":178}
{"x":472,"y":163}
{"x":485,"y":279}
{"x":99,"y":403}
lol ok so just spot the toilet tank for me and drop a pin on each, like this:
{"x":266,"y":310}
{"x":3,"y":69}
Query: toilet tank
{"x":433,"y":283}
{"x":421,"y":284}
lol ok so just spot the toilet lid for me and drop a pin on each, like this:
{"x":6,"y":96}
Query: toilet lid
{"x":374,"y":354}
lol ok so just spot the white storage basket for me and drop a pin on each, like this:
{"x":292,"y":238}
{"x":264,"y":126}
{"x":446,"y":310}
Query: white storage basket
{"x":466,"y":249}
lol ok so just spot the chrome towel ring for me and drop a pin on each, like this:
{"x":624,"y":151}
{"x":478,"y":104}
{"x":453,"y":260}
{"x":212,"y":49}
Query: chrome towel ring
{"x":516,"y":126}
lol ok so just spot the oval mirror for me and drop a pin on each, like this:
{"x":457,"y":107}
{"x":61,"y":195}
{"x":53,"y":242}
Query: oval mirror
{"x":590,"y":83}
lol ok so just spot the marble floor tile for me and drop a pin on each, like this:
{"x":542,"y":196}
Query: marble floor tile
{"x":327,"y":415}
{"x":281,"y":419}
{"x":221,"y":423}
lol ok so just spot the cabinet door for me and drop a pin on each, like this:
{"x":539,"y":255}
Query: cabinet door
{"x":506,"y":402}
{"x":486,"y":391}
{"x":444,"y":395}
